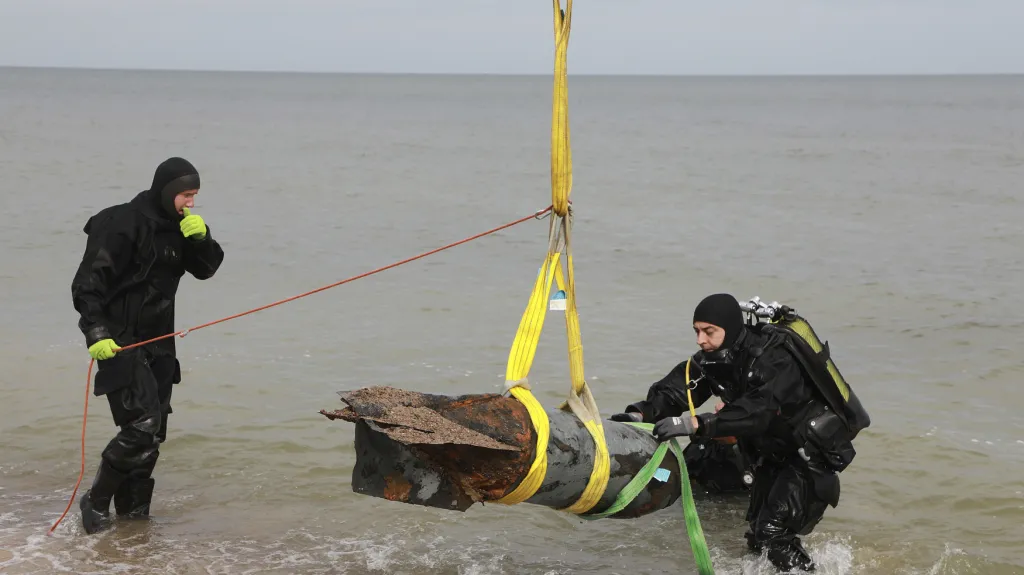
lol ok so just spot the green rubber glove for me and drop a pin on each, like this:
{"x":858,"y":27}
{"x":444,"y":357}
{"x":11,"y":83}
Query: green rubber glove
{"x":103,"y":349}
{"x":193,"y":226}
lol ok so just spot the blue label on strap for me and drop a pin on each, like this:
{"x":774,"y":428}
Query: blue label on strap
{"x":662,"y":474}
{"x":557,"y":302}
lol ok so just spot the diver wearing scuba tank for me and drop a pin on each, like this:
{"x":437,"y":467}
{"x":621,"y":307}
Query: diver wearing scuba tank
{"x":788,"y":413}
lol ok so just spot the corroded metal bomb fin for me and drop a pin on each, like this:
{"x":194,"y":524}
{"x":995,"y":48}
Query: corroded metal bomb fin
{"x":413,"y":418}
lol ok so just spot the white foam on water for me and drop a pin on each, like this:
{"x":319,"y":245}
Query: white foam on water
{"x":832,"y":556}
{"x":940,"y":566}
{"x":143,"y":550}
{"x":146,"y":547}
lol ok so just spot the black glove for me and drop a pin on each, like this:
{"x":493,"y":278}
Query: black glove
{"x":673,"y":427}
{"x":631,"y":416}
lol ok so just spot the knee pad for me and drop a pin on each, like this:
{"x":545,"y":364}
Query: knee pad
{"x":148,"y":426}
{"x":130,"y":451}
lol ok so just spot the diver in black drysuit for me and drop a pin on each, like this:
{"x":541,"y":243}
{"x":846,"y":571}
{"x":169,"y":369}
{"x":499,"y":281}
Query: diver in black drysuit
{"x":717,"y":464}
{"x":124,"y":291}
{"x":770,"y":403}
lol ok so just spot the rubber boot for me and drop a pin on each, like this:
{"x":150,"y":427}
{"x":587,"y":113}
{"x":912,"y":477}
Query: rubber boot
{"x":133,"y":497}
{"x":95,"y":502}
{"x":790,"y":556}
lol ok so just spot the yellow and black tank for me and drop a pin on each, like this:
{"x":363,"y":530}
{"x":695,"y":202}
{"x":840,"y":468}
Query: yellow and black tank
{"x":816,"y":359}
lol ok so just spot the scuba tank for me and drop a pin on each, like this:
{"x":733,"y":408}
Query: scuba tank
{"x":829,"y":433}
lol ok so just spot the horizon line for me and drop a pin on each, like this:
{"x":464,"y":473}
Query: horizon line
{"x":509,"y":74}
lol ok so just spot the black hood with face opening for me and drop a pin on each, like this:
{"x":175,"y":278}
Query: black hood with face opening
{"x":723,"y":310}
{"x":172,"y":176}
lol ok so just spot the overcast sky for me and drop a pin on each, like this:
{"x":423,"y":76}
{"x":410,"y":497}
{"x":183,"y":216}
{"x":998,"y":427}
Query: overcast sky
{"x":515,"y":36}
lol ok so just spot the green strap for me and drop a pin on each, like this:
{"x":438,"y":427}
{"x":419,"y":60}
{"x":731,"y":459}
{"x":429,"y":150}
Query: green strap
{"x":635,"y":486}
{"x":693,"y":529}
{"x":628,"y":493}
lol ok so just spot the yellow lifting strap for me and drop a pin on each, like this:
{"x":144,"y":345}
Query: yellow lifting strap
{"x":561,"y":152}
{"x":580,"y":400}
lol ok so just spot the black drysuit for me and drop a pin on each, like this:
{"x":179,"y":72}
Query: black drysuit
{"x":769,"y":401}
{"x":716,"y":466}
{"x":124,"y":289}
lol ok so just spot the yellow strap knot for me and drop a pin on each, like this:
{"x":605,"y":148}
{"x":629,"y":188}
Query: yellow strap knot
{"x":523,"y":383}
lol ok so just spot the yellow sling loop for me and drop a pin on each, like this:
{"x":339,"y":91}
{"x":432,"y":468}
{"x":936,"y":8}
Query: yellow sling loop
{"x":580,"y":400}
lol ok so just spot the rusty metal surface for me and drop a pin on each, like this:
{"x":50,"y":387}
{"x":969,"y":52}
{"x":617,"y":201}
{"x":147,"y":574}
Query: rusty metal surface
{"x":452,"y":451}
{"x":390,"y":470}
{"x":482,"y":443}
{"x":415,"y":418}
